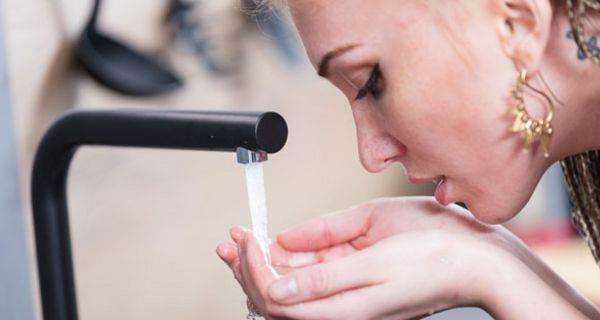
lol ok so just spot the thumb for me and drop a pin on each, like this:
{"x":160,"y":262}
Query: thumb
{"x":328,"y":230}
{"x":323,"y":280}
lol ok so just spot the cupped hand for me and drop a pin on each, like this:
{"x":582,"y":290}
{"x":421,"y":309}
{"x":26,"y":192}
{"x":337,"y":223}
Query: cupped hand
{"x":397,"y":258}
{"x":366,"y":224}
{"x":400,"y":277}
{"x":255,"y":274}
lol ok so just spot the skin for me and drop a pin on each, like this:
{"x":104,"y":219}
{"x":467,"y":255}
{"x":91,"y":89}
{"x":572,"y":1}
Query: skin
{"x":447,"y":71}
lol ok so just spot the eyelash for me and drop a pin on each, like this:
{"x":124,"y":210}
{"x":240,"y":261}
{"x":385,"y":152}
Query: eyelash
{"x":372,"y":86}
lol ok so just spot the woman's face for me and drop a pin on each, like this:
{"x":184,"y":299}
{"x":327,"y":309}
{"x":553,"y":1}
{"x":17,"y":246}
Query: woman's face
{"x":428,"y":84}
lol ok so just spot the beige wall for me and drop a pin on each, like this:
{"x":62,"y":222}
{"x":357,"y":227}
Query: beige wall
{"x":145,"y":223}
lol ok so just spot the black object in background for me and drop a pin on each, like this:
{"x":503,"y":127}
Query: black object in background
{"x":118,"y":66}
{"x":193,"y":34}
{"x":216,"y":40}
{"x":191,"y":130}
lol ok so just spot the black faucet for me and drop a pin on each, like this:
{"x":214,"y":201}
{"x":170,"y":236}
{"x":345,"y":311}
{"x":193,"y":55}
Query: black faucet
{"x":239,"y":132}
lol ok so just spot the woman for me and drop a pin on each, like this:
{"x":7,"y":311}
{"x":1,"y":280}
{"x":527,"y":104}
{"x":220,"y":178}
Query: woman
{"x":452,"y":90}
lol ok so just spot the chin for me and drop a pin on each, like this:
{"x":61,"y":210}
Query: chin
{"x":496,"y":209}
{"x":495,"y":199}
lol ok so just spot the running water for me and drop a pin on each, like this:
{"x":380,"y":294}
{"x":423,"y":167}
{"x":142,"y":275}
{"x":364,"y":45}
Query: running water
{"x":258,"y":211}
{"x":258,"y":206}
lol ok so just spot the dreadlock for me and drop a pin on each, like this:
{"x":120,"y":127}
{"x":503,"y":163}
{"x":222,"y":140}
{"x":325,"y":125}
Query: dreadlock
{"x":582,"y":171}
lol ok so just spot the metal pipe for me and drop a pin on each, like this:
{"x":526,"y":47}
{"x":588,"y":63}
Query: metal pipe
{"x":193,"y":130}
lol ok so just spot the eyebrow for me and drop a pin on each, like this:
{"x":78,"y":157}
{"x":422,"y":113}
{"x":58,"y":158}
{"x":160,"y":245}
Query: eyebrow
{"x":324,"y":64}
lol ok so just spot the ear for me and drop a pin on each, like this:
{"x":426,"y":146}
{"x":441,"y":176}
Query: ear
{"x":523,"y":28}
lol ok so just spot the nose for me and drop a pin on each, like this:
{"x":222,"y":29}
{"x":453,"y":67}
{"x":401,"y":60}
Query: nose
{"x":376,"y":147}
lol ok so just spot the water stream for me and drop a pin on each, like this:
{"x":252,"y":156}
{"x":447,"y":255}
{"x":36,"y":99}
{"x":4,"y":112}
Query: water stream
{"x":258,"y":210}
{"x":258,"y":206}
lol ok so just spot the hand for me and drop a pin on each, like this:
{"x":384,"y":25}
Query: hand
{"x":404,"y":257}
{"x":339,"y":235}
{"x":253,"y":272}
{"x":366,"y":224}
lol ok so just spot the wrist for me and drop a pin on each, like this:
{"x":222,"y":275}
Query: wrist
{"x":509,"y":289}
{"x":472,"y":273}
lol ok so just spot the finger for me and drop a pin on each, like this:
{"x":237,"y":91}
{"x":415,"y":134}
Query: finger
{"x":344,"y":305}
{"x":254,"y":266}
{"x":257,"y":262}
{"x":328,"y":230}
{"x":228,"y":252}
{"x":323,"y":280}
{"x":282,"y":258}
{"x":297,"y":260}
{"x":256,"y":271}
{"x":237,"y":233}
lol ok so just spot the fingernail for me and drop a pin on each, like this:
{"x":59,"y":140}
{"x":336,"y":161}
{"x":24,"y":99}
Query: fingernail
{"x":283,"y":289}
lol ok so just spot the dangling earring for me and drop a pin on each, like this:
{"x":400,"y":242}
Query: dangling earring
{"x":534,"y":129}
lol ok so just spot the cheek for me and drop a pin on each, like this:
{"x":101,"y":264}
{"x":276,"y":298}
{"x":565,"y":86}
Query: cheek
{"x":429,"y":98}
{"x":454,"y":99}
{"x":442,"y":116}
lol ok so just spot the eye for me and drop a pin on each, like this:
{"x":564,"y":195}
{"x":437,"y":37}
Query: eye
{"x":373,"y":86}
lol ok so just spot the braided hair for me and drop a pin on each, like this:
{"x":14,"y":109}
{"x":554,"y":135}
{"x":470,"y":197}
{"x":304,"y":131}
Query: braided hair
{"x":582,"y":171}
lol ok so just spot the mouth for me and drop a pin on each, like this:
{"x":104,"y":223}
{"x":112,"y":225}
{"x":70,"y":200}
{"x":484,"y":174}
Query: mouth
{"x":441,"y":190}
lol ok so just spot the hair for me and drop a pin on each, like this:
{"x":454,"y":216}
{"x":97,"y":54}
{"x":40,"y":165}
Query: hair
{"x":582,"y":171}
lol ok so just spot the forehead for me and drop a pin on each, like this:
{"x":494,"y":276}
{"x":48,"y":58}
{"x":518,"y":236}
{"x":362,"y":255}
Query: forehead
{"x":325,"y":25}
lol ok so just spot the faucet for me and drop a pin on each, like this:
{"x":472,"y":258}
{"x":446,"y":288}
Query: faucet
{"x":250,"y":135}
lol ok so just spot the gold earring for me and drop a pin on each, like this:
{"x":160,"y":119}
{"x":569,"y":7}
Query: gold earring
{"x":534,"y":129}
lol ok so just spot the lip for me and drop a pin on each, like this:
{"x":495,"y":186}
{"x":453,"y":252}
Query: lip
{"x":417,"y":180}
{"x":441,"y":192}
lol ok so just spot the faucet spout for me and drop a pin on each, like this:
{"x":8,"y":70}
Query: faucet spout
{"x":245,"y":156}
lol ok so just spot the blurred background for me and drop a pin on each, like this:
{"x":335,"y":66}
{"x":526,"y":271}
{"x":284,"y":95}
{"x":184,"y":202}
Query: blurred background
{"x":145,"y":223}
